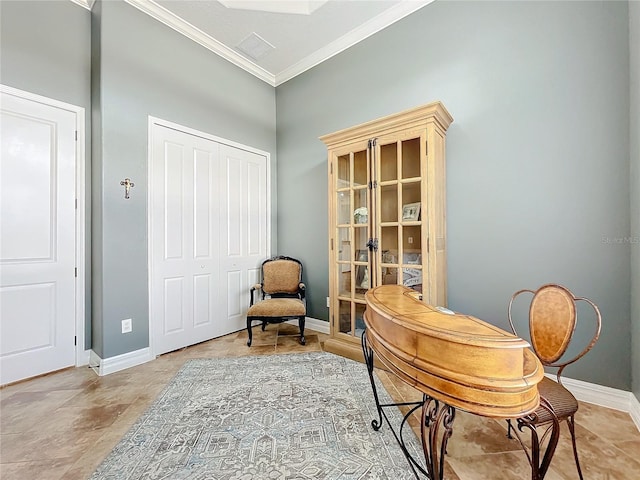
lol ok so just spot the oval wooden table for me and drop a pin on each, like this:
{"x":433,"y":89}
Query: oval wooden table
{"x":457,"y":361}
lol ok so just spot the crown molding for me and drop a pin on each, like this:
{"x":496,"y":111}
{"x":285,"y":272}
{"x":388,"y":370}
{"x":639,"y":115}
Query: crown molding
{"x":88,"y":4}
{"x":179,"y":25}
{"x":390,"y":16}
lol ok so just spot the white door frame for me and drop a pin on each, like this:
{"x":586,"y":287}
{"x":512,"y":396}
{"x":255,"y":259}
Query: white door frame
{"x":82,"y":355}
{"x":191,"y":131}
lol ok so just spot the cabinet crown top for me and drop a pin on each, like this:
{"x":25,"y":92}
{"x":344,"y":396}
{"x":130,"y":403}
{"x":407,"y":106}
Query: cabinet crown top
{"x":433,"y":113}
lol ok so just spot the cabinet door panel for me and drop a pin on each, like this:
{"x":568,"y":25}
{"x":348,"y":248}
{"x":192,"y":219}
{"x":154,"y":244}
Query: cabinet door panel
{"x":389,"y":203}
{"x":343,"y":171}
{"x":343,"y":208}
{"x":388,"y":162}
{"x":360,"y":168}
{"x":411,"y":158}
{"x":344,"y":317}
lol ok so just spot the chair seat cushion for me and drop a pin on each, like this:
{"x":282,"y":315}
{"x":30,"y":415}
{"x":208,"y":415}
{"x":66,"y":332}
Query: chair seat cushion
{"x":277,"y":307}
{"x":562,"y":400}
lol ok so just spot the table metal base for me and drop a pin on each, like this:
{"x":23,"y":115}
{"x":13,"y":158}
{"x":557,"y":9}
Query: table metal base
{"x":436,"y":425}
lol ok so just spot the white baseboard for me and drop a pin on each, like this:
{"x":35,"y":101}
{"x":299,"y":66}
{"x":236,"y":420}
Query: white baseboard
{"x":119,"y":362}
{"x":313,"y":324}
{"x":634,"y":410}
{"x":597,"y":394}
{"x":603,"y":396}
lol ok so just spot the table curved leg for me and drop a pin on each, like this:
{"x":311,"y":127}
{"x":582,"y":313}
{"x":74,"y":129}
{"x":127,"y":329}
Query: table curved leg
{"x":437,"y":425}
{"x":539,"y":468}
{"x":437,"y":428}
{"x":368,"y":359}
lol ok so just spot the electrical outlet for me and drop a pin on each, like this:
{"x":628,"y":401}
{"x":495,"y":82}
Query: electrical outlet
{"x":410,"y":240}
{"x":328,"y":302}
{"x":126,"y":325}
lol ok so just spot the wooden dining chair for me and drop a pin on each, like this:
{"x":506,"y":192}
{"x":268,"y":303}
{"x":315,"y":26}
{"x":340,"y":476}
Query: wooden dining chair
{"x":553,"y":316}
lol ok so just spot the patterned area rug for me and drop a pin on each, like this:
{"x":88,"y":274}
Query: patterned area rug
{"x":294,"y":416}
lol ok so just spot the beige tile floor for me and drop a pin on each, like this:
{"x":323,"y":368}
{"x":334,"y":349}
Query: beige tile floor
{"x":61,"y":426}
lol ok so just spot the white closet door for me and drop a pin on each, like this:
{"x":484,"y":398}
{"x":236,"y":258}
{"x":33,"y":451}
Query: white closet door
{"x":209,"y":235}
{"x":37,"y":238}
{"x":184,"y":234}
{"x":245,"y":215}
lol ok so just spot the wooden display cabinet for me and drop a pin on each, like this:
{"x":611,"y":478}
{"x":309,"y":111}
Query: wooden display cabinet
{"x":386,"y":215}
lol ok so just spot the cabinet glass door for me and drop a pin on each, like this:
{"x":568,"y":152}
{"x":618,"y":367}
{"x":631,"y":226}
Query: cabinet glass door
{"x":352,"y":233}
{"x":399,"y":258}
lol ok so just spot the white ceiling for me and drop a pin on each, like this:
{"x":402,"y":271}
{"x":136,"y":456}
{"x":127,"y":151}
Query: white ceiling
{"x":286,"y":44}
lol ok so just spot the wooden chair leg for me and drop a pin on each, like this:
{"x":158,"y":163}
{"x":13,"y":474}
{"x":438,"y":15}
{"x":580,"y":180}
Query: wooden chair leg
{"x":249,"y":332}
{"x":301,"y":326}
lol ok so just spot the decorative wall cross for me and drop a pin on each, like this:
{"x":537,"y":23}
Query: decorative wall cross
{"x":127,"y":186}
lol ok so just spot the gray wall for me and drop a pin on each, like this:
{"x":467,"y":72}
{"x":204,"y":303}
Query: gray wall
{"x":537,"y":155}
{"x":148,"y":69}
{"x":634,"y":42}
{"x":44,"y":49}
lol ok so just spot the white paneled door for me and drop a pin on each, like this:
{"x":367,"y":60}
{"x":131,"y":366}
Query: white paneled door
{"x":208,"y":205}
{"x":37,"y":238}
{"x":244,"y":243}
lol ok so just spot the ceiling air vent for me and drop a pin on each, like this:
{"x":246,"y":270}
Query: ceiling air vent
{"x":255,"y":46}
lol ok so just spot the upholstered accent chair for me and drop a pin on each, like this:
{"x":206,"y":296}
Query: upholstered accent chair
{"x":283,"y":295}
{"x":553,"y":316}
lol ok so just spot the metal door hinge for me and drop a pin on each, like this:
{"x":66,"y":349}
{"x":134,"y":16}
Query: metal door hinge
{"x":332,"y":244}
{"x":75,"y":340}
{"x":76,"y":135}
{"x":76,"y":271}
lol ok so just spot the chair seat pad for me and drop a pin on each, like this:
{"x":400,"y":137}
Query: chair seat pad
{"x":562,"y":400}
{"x":277,"y":307}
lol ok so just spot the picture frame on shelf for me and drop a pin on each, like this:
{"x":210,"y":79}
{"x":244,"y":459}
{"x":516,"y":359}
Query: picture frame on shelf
{"x":411,"y":212}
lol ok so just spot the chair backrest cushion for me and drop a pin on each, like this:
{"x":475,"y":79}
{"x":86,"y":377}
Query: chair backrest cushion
{"x":281,"y":276}
{"x":552,"y":320}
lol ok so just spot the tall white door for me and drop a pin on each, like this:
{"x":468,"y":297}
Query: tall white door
{"x":37,"y":238}
{"x":244,"y":244}
{"x":184,"y":221}
{"x":198,"y":213}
